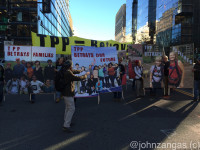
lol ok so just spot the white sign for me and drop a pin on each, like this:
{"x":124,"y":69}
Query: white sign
{"x":153,"y":53}
{"x":43,"y":53}
{"x":85,"y":55}
{"x":17,"y":52}
{"x":29,"y":53}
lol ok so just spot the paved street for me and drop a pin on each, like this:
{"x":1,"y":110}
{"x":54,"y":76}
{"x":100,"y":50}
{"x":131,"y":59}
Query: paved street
{"x":107,"y":126}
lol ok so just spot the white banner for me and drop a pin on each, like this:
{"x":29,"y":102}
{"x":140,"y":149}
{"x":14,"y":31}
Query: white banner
{"x":14,"y":52}
{"x":43,"y":53}
{"x":85,"y":55}
{"x":29,"y":53}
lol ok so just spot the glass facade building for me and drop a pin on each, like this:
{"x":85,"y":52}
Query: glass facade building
{"x":57,"y":22}
{"x":18,"y":18}
{"x":146,"y":16}
{"x":129,"y":22}
{"x":174,"y":22}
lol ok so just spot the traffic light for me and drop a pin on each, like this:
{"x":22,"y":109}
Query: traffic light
{"x":46,"y":6}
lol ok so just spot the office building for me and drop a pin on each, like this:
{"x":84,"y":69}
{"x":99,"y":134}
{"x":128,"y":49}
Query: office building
{"x":120,"y":24}
{"x":18,"y":18}
{"x":129,"y":21}
{"x":175,"y":22}
{"x":145,"y":23}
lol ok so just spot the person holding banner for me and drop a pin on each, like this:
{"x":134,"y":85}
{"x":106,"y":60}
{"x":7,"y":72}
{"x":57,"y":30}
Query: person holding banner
{"x":69,"y":93}
{"x":138,"y":69}
{"x":1,"y":83}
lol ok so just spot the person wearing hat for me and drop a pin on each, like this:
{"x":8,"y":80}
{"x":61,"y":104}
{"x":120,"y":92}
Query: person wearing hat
{"x":18,"y":69}
{"x":196,"y":71}
{"x":1,"y":83}
{"x":49,"y":72}
{"x":69,"y":92}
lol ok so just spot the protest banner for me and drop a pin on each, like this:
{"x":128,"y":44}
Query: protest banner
{"x":43,"y":54}
{"x":102,"y":65}
{"x":63,"y":44}
{"x":27,"y":70}
{"x":14,"y":52}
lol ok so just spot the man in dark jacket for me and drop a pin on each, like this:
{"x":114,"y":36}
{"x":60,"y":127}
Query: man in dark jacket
{"x":69,"y":93}
{"x":196,"y":71}
{"x":1,"y":83}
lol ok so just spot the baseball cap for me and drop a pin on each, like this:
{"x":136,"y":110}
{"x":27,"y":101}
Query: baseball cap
{"x":17,"y":59}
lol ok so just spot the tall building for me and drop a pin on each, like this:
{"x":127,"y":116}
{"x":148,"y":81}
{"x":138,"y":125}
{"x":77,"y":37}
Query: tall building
{"x":129,"y":20}
{"x":120,"y":24}
{"x":19,"y":18}
{"x":175,"y":22}
{"x":145,"y":24}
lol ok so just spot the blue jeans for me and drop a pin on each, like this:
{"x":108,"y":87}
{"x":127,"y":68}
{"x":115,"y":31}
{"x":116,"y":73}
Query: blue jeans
{"x":196,"y":88}
{"x":1,"y":91}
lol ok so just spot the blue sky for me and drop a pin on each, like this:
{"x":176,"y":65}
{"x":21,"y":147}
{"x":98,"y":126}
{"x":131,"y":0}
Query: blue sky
{"x":95,"y":19}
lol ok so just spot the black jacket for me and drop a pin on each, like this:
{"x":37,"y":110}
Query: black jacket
{"x":49,"y":72}
{"x":69,"y":80}
{"x":38,"y":73}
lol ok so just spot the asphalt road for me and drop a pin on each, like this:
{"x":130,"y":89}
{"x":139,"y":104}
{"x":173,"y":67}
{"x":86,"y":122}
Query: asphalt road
{"x":107,"y":126}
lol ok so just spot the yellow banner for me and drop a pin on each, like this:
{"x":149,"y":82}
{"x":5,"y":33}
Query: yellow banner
{"x":63,"y":44}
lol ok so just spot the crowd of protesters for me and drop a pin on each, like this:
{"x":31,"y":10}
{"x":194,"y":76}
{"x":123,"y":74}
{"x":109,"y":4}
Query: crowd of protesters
{"x":26,"y":77}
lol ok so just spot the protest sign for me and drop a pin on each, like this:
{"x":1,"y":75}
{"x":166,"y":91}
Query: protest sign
{"x":102,"y":65}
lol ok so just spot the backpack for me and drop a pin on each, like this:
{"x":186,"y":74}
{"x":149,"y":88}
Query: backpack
{"x":171,"y":79}
{"x":156,"y":70}
{"x":60,"y":83}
